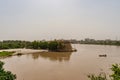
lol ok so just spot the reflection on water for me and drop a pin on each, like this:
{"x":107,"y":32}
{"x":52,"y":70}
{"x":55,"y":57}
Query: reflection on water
{"x":53,"y":56}
{"x":5,"y":57}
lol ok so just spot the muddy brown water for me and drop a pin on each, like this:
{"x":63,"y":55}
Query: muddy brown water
{"x":64,"y":66}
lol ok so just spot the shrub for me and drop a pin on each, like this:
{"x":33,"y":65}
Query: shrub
{"x":115,"y":75}
{"x":6,"y":75}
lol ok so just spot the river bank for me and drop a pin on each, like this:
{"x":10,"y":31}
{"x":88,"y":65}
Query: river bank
{"x":23,"y":51}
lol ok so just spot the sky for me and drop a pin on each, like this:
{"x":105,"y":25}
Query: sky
{"x":59,"y":19}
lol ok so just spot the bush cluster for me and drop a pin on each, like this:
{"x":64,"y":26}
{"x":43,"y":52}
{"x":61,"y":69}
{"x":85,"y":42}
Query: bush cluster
{"x":102,"y":76}
{"x":6,"y":75}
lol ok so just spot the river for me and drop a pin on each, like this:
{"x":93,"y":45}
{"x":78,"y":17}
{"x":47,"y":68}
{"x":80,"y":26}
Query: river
{"x":64,"y":66}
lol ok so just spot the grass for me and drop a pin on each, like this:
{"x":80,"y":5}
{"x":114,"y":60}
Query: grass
{"x":6,"y":53}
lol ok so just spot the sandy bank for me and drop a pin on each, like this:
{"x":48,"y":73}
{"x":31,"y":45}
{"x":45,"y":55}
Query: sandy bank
{"x":24,"y":51}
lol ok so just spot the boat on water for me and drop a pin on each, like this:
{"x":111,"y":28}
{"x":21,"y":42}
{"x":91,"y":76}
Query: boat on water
{"x":103,"y":55}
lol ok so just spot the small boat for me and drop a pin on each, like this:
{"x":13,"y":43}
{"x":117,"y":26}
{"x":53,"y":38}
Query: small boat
{"x":103,"y":55}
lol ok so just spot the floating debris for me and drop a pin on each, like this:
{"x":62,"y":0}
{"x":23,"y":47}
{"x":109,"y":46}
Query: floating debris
{"x":19,"y":54}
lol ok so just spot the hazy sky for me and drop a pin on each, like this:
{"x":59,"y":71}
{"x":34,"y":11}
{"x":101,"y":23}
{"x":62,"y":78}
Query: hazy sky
{"x":67,"y":19}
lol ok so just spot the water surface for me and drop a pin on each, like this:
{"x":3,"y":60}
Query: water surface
{"x":64,"y":66}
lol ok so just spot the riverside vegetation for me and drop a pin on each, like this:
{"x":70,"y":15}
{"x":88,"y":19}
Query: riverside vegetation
{"x":6,"y":53}
{"x":102,"y":76}
{"x":6,"y":75}
{"x":50,"y":45}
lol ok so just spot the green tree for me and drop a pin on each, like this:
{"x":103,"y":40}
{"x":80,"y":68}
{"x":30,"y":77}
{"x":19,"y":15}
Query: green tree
{"x":6,"y":75}
{"x":116,"y":72}
{"x":53,"y":45}
{"x":35,"y":44}
{"x":43,"y":45}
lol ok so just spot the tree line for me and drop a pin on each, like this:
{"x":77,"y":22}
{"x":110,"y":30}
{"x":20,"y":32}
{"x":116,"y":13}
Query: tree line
{"x":48,"y":45}
{"x":100,"y":42}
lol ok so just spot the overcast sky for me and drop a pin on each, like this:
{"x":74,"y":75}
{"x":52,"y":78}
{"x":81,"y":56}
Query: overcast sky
{"x":60,"y":19}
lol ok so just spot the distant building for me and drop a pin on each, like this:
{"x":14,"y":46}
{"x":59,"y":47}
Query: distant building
{"x":89,"y":40}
